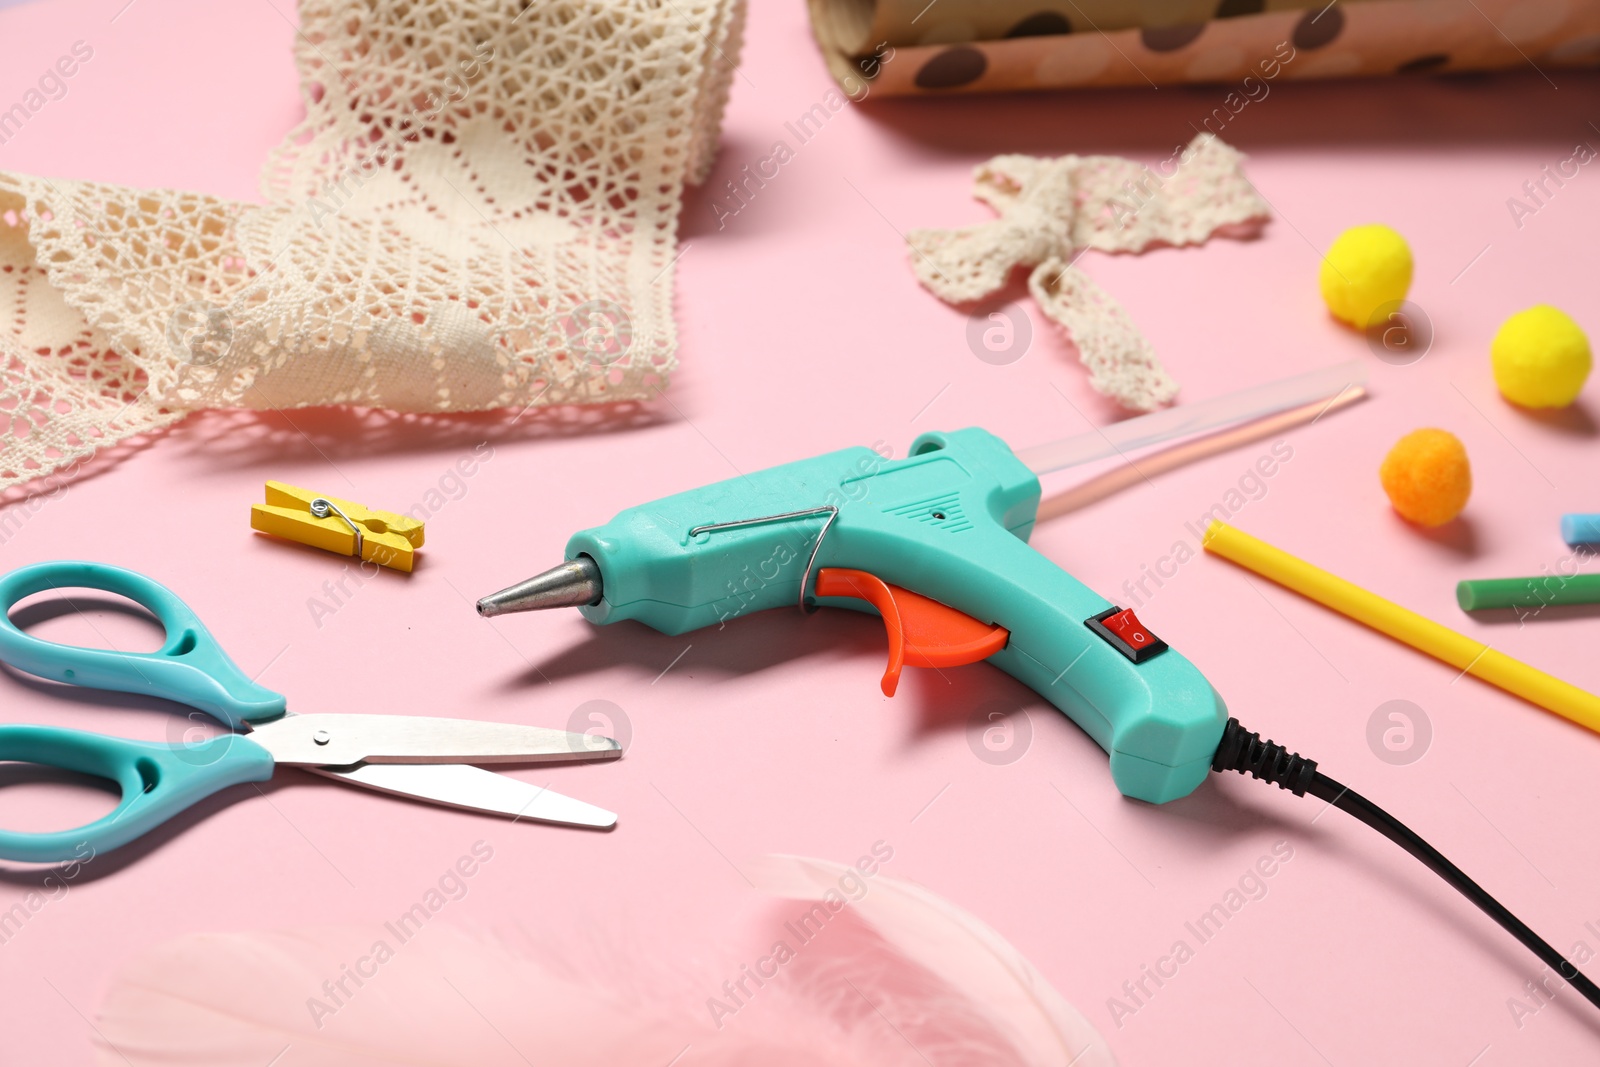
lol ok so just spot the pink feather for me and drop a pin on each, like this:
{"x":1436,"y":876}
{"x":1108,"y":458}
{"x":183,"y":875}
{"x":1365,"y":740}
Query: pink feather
{"x":898,"y":977}
{"x":945,"y":969}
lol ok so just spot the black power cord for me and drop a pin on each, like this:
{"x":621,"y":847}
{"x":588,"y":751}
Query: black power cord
{"x":1243,"y":751}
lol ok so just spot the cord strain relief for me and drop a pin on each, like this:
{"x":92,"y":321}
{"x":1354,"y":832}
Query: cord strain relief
{"x":1243,"y":751}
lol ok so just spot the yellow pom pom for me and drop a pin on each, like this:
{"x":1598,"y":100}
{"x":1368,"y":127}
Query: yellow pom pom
{"x":1367,"y":268}
{"x":1541,"y":358}
{"x":1427,"y":476}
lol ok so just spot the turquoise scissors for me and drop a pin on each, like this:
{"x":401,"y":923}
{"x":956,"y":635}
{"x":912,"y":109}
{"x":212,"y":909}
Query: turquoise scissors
{"x":424,"y":758}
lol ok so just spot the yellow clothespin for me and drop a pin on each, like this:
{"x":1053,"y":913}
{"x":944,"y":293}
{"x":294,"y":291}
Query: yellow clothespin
{"x":341,"y":526}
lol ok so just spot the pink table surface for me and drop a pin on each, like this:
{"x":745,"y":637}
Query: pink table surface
{"x":804,"y":330}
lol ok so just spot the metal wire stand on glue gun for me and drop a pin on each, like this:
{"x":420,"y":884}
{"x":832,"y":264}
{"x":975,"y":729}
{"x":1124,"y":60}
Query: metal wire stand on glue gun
{"x":936,"y":544}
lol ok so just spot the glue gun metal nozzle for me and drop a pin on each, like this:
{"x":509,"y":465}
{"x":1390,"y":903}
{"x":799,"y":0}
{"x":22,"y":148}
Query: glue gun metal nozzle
{"x":574,"y":584}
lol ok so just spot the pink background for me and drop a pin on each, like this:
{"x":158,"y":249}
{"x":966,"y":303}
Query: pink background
{"x":803,"y":330}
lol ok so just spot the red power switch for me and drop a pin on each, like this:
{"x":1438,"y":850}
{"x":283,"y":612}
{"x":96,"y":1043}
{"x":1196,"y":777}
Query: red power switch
{"x":1124,"y":632}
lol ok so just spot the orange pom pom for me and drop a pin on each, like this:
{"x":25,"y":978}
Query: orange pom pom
{"x":1427,"y":476}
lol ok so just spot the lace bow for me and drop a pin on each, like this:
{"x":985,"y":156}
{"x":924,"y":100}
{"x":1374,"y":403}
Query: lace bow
{"x":1054,"y":210}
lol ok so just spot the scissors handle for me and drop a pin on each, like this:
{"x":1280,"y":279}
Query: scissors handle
{"x":157,"y":782}
{"x":190,"y":667}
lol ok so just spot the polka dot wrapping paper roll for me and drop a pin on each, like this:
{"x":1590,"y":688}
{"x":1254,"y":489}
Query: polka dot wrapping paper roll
{"x":911,"y":47}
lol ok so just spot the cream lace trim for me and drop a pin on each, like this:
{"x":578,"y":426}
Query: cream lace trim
{"x":1053,"y":210}
{"x":478,"y":211}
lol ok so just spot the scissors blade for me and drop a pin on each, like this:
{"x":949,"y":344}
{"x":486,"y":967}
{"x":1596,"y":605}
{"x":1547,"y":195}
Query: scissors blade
{"x":340,"y":740}
{"x":474,"y":789}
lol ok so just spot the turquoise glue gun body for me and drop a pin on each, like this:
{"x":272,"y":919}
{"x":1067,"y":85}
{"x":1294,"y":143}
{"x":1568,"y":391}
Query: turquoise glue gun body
{"x":949,"y":522}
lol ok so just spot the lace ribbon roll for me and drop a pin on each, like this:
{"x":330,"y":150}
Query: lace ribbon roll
{"x":479,"y":215}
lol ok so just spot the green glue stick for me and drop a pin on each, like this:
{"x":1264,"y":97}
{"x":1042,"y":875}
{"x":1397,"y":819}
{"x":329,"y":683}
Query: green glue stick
{"x":1545,"y":590}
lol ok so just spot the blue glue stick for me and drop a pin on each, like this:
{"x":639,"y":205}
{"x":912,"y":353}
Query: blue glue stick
{"x":1579,"y":530}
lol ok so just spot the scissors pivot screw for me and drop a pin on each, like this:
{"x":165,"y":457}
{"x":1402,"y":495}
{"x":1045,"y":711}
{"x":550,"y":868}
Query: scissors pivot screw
{"x":322,"y":737}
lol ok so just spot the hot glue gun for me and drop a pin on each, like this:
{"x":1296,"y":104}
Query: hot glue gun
{"x":936,"y":544}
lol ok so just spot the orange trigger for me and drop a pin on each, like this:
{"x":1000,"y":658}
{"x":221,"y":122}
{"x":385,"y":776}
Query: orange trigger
{"x":922,"y":632}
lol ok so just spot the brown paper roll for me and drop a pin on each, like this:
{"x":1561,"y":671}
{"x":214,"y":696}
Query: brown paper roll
{"x":915,"y":47}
